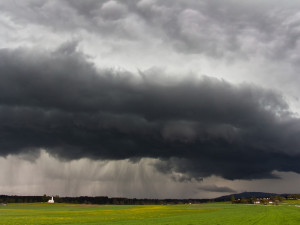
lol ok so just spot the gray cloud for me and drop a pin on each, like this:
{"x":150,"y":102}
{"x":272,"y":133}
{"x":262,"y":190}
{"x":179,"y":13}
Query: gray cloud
{"x":218,"y":29}
{"x":197,"y":127}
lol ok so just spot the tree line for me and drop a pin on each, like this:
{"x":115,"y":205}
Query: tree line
{"x":97,"y":200}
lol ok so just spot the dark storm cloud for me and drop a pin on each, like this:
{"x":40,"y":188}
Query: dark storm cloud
{"x":197,"y":127}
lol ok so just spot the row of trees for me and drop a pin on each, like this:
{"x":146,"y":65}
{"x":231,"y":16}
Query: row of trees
{"x":97,"y":200}
{"x":294,"y":196}
{"x":128,"y":201}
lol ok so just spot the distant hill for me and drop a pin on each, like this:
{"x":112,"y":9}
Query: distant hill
{"x":247,"y":195}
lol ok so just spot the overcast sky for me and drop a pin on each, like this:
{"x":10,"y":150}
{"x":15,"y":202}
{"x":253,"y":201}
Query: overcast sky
{"x":148,"y":98}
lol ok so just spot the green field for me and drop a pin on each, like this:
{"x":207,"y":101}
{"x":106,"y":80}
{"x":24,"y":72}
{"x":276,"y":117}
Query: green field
{"x":210,"y":213}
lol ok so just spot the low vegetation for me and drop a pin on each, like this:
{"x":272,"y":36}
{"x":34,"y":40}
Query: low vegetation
{"x":287,"y":212}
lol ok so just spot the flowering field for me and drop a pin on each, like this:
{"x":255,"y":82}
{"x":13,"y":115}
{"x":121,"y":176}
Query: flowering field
{"x":212,"y":213}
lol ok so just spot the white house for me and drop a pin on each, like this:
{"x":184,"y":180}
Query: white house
{"x":51,"y":200}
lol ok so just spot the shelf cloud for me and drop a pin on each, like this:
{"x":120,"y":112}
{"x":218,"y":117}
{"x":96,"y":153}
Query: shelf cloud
{"x":197,"y":126}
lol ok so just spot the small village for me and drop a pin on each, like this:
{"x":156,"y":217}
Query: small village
{"x":273,"y":200}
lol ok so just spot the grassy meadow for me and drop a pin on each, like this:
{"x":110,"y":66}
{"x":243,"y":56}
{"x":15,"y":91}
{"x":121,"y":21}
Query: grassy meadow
{"x":287,"y":213}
